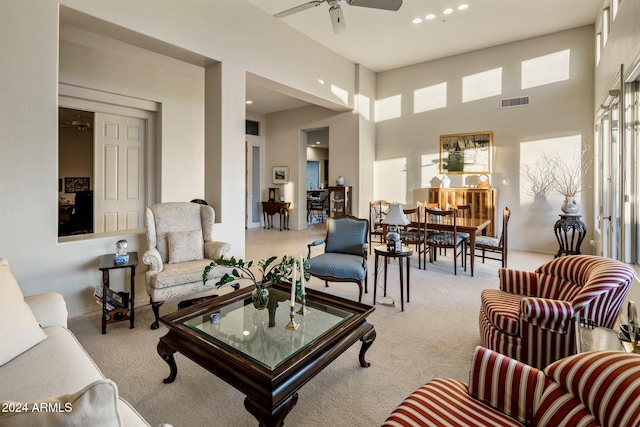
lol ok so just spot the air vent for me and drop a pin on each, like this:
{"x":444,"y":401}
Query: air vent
{"x":515,"y":102}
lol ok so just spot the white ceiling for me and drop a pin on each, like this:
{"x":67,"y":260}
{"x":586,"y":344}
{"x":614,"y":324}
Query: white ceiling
{"x":383,"y":40}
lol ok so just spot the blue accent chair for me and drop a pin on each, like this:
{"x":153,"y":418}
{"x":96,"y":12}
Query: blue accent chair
{"x":345,"y":253}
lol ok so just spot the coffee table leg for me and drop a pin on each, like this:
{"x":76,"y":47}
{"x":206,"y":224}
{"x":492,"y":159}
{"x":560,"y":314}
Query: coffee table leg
{"x":268,"y":417}
{"x":367,"y":339}
{"x":166,"y":352}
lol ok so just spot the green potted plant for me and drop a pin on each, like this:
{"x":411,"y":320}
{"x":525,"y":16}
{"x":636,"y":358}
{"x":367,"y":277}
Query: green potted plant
{"x":271,"y":273}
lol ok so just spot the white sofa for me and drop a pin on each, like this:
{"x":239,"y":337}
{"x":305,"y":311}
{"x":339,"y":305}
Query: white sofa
{"x":46,"y":377}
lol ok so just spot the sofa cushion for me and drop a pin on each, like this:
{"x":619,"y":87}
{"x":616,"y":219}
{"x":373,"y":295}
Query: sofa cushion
{"x":607,"y":383}
{"x":558,"y":408}
{"x":339,"y":266}
{"x":180,"y":274}
{"x":19,"y":329}
{"x":505,"y":384}
{"x":443,"y":402}
{"x":502,"y":309}
{"x":93,"y":405}
{"x":68,"y":368}
{"x":185,"y":246}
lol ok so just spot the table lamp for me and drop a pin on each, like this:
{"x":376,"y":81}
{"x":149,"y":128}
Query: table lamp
{"x":394,"y":217}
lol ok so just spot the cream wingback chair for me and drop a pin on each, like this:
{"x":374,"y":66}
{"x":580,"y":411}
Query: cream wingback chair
{"x":180,"y":239}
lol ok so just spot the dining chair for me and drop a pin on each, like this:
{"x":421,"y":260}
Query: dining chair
{"x":427,"y":205}
{"x":497,"y":246}
{"x":462,"y":211}
{"x":317,"y":207}
{"x":413,"y":234}
{"x":378,"y":209}
{"x":441,"y":232}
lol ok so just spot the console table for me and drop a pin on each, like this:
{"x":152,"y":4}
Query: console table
{"x":269,"y":209}
{"x":570,"y":232}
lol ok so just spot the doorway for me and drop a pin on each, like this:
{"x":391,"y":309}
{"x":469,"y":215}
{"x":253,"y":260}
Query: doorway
{"x":317,"y":174}
{"x":105,"y":186}
{"x":254,"y":182}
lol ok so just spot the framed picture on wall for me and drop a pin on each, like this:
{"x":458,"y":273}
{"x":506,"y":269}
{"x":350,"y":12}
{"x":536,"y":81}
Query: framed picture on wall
{"x":76,"y":185}
{"x":466,"y":152}
{"x":280,"y":174}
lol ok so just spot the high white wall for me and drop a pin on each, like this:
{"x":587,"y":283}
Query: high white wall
{"x":557,"y":109}
{"x":622,"y":48}
{"x":224,"y":31}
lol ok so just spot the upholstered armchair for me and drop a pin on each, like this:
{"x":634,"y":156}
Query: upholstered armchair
{"x":180,"y":240}
{"x":599,"y":388}
{"x":345,"y":253}
{"x":532,"y":316}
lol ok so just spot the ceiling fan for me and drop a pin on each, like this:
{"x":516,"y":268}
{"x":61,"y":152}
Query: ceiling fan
{"x":74,"y":124}
{"x":335,"y":9}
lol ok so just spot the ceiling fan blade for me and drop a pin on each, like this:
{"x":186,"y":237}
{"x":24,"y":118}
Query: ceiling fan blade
{"x":377,"y":4}
{"x":337,"y":19}
{"x":299,"y":8}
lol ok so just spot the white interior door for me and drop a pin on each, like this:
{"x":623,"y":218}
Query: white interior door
{"x":119,"y":172}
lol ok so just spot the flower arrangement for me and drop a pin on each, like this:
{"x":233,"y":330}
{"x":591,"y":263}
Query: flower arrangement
{"x":271,"y":273}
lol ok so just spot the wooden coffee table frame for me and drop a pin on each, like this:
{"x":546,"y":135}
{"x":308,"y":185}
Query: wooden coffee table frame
{"x":270,"y":394}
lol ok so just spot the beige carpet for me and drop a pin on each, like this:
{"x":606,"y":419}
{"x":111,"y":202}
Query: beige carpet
{"x":433,"y":337}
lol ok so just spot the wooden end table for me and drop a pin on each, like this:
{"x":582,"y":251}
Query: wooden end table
{"x":383,"y":251}
{"x":117,"y":314}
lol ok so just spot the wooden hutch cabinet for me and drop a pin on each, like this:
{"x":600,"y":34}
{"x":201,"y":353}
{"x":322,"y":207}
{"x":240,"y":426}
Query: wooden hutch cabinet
{"x":483,"y":202}
{"x":340,"y":201}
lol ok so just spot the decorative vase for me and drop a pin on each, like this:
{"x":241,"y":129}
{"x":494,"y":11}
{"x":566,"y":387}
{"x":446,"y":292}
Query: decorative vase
{"x":260,"y":297}
{"x":569,"y":206}
{"x":446,"y":182}
{"x":340,"y":181}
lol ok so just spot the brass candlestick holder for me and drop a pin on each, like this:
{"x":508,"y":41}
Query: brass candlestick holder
{"x":303,"y":311}
{"x":292,"y":324}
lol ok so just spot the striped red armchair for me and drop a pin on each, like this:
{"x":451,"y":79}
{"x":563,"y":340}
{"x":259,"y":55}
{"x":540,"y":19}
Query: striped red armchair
{"x":600,"y":388}
{"x":532,"y":316}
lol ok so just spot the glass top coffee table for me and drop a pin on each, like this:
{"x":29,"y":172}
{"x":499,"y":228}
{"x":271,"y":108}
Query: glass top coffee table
{"x":253,"y":351}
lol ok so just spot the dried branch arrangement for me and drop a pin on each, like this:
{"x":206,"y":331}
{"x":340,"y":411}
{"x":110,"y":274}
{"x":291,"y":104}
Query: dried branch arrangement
{"x":553,"y":173}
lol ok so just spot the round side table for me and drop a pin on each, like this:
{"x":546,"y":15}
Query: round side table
{"x":383,"y":251}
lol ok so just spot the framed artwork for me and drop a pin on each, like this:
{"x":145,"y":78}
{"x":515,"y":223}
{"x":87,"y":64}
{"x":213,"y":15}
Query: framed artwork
{"x":280,"y":174}
{"x":466,"y":152}
{"x":76,"y":185}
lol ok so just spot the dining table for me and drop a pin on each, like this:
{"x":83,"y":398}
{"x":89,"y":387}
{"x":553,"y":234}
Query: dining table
{"x":472,"y":226}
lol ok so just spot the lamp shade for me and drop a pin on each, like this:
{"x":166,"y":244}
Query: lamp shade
{"x":395,"y":216}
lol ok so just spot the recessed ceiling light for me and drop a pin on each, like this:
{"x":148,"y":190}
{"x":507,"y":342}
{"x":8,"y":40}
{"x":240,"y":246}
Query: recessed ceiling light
{"x":317,"y":142}
{"x":463,"y":6}
{"x":447,"y":11}
{"x":417,"y":20}
{"x":248,"y":102}
{"x":430,"y":16}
